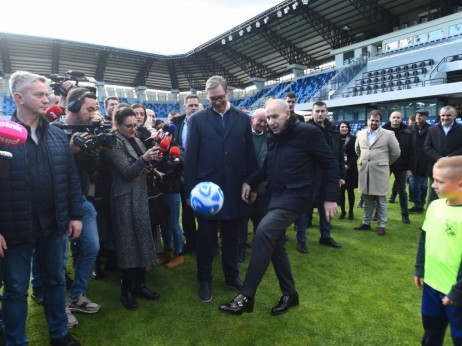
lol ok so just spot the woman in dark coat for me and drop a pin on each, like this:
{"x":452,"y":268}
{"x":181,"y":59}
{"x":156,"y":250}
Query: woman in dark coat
{"x":351,"y":167}
{"x":134,"y":245}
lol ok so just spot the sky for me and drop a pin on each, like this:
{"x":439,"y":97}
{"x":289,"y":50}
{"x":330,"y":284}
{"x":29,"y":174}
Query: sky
{"x":154,"y":26}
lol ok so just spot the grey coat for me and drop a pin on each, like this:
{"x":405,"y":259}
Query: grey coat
{"x":129,"y":206}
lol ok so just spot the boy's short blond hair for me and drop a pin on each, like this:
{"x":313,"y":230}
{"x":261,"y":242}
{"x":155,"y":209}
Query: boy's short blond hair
{"x":452,"y":164}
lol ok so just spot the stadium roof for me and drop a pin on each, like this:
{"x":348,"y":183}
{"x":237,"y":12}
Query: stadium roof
{"x":289,"y":33}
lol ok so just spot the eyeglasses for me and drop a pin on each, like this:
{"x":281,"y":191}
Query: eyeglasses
{"x":130,"y":127}
{"x":217,"y":99}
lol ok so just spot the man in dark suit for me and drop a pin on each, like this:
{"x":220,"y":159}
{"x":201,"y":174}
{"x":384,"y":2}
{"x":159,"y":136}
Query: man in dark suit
{"x":294,"y":149}
{"x":191,"y":106}
{"x":219,"y":148}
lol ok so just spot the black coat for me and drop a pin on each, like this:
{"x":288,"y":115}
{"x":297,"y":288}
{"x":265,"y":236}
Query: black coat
{"x":178,"y":122}
{"x":438,"y":145}
{"x":352,"y":162}
{"x":290,"y":167}
{"x":423,"y":166}
{"x":224,"y":157}
{"x":407,"y":159}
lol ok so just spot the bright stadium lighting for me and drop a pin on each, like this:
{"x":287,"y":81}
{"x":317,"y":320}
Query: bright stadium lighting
{"x":241,"y":32}
{"x":294,"y":5}
{"x":230,"y":37}
{"x":249,"y":28}
{"x":305,"y":2}
{"x":257,"y":24}
{"x":223,"y":41}
{"x":279,"y":13}
{"x":286,"y":10}
{"x":266,"y":19}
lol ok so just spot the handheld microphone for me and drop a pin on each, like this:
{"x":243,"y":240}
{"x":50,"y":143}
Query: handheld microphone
{"x":163,"y":145}
{"x":5,"y":161}
{"x":54,"y":112}
{"x":12,"y":134}
{"x":174,"y":153}
{"x":161,"y":134}
{"x":172,"y":128}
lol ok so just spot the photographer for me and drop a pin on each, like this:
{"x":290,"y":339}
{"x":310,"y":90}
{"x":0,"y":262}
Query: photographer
{"x":81,"y":108}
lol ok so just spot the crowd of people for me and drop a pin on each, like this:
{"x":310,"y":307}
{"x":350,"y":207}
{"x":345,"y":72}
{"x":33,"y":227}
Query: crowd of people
{"x":115,"y":196}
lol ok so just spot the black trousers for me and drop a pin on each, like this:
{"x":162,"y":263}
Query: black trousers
{"x":269,"y":245}
{"x":207,"y":242}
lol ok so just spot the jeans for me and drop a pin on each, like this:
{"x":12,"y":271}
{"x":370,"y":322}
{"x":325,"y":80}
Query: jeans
{"x":269,"y":245}
{"x":400,"y":178}
{"x":324,"y":225}
{"x":15,"y":269}
{"x":171,"y":226}
{"x":419,"y":186}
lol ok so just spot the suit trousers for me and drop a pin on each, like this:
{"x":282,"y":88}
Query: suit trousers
{"x":206,"y":243}
{"x":269,"y":245}
{"x":381,"y":209}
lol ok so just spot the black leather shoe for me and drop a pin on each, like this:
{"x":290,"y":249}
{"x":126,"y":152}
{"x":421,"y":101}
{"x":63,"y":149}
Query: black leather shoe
{"x":392,"y":199}
{"x":37,"y":294}
{"x":235,"y":284}
{"x":329,"y":242}
{"x":351,"y":216}
{"x":362,"y":227}
{"x":284,"y":304}
{"x":66,"y":340}
{"x":405,"y":218}
{"x":301,"y":247}
{"x":128,"y":299}
{"x":96,"y":273}
{"x":415,"y":209}
{"x":241,"y":255}
{"x":238,"y":305}
{"x":145,"y":293}
{"x":205,"y":293}
{"x":342,"y":215}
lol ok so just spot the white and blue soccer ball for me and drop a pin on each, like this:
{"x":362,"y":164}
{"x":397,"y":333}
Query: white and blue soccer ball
{"x":207,"y":198}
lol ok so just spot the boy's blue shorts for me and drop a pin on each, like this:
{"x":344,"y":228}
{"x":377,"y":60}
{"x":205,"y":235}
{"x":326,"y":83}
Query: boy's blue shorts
{"x":432,"y":306}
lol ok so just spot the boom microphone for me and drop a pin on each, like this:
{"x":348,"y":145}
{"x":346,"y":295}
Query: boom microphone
{"x":163,"y":146}
{"x":12,"y":134}
{"x":54,"y":112}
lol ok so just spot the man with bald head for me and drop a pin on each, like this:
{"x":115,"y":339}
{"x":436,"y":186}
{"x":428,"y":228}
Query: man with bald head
{"x":294,"y":149}
{"x":403,"y":167}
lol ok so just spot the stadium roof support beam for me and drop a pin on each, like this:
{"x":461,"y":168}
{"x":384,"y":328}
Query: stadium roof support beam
{"x":382,"y":20}
{"x":172,"y":74}
{"x":250,"y":66}
{"x":5,"y":52}
{"x":101,"y":67}
{"x":445,"y":7}
{"x":143,"y":73}
{"x":190,"y":77}
{"x":291,"y":53}
{"x":334,"y":36}
{"x":209,"y":67}
{"x":56,"y":48}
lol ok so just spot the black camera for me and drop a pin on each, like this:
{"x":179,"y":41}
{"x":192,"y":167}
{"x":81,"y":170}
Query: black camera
{"x":100,"y":135}
{"x":75,"y":76}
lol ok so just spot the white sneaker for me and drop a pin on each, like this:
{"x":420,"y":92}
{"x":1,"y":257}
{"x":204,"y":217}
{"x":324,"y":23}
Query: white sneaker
{"x":83,"y":305}
{"x":71,"y":320}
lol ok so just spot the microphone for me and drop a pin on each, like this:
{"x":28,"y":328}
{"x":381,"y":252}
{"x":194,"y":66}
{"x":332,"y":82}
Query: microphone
{"x":5,"y":160}
{"x":163,"y":146}
{"x":172,"y":128}
{"x":12,"y":134}
{"x":174,"y":153}
{"x":54,"y":112}
{"x":161,"y":134}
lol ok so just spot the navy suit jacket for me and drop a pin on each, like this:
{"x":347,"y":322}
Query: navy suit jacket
{"x":223,"y":156}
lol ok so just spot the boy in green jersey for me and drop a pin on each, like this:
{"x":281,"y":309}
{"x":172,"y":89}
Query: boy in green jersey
{"x":439,"y":257}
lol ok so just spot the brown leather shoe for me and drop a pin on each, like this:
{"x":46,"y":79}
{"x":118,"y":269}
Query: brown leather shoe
{"x":175,"y":262}
{"x":362,"y":227}
{"x":381,"y":231}
{"x":166,"y":257}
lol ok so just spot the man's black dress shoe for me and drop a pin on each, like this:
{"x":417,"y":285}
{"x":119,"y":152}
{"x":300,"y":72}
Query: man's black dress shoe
{"x":329,"y":242}
{"x":362,"y":227}
{"x":284,"y":304}
{"x":238,"y":305}
{"x":37,"y":294}
{"x":342,"y":215}
{"x":405,"y":218}
{"x":66,"y":340}
{"x":392,"y":199}
{"x":235,"y":284}
{"x":205,"y":293}
{"x":143,"y":292}
{"x":415,"y":209}
{"x":301,"y":247}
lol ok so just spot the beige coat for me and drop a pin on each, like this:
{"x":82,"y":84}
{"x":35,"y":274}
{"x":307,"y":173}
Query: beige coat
{"x":375,"y":161}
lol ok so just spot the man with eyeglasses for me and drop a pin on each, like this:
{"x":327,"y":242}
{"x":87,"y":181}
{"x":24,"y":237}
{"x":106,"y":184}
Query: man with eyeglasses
{"x":219,"y":148}
{"x":443,"y":140}
{"x":377,"y":149}
{"x":190,"y":106}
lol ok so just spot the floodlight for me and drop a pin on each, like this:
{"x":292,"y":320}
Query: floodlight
{"x":279,"y":13}
{"x":266,"y":19}
{"x":230,"y":37}
{"x":257,"y":24}
{"x":249,"y":28}
{"x":305,"y":2}
{"x":223,"y":41}
{"x":286,"y":10}
{"x":241,"y":32}
{"x":294,"y":5}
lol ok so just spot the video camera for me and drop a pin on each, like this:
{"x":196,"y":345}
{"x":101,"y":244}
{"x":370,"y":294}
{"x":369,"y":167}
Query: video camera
{"x":100,"y":135}
{"x":70,"y":75}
